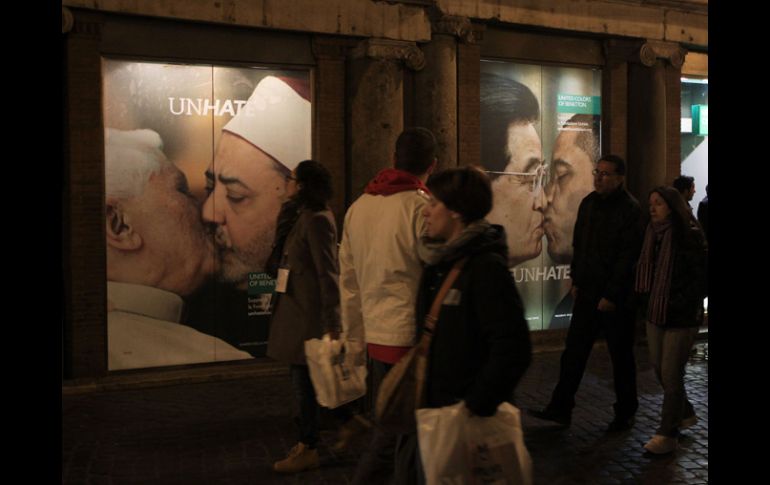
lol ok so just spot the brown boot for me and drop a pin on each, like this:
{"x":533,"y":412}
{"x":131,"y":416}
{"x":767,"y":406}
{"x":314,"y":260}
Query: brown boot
{"x":300,"y":458}
{"x":355,"y":426}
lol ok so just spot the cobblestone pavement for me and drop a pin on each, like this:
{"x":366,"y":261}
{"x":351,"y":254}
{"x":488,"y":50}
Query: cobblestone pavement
{"x":230,"y":432}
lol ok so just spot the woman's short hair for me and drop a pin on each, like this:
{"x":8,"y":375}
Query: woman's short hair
{"x":465,"y":190}
{"x":314,"y":184}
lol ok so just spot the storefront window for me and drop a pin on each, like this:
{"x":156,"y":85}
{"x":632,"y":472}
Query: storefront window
{"x":540,"y":138}
{"x":695,"y":142}
{"x":695,"y":139}
{"x":196,"y":158}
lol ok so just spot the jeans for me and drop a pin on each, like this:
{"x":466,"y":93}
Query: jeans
{"x":307,"y":421}
{"x":586,"y":324}
{"x":669,"y":351}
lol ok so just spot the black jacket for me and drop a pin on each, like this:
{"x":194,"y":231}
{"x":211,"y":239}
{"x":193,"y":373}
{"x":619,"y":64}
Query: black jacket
{"x":481,"y":346}
{"x":689,"y":281}
{"x":703,"y":216}
{"x":607,"y":241}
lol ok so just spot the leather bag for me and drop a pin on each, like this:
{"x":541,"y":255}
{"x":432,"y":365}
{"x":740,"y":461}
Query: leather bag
{"x":402,"y":390}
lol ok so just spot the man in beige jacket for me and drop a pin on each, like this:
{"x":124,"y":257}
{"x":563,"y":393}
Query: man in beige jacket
{"x":381,"y":258}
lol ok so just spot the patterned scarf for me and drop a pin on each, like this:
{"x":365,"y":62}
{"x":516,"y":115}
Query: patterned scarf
{"x":456,"y":248}
{"x":653,"y":275}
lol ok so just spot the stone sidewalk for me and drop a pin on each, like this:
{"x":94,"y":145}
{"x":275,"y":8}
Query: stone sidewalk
{"x":230,"y":432}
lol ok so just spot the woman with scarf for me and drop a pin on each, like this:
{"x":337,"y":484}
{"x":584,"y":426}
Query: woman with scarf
{"x":480,"y":346}
{"x":304,"y":259}
{"x":671,"y":277}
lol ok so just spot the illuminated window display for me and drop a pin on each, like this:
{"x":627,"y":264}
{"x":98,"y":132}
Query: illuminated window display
{"x":540,"y":140}
{"x":196,"y":158}
{"x":695,"y":139}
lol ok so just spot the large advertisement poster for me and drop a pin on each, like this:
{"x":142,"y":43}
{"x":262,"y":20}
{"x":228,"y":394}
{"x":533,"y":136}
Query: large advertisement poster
{"x":540,"y":129}
{"x":196,"y":159}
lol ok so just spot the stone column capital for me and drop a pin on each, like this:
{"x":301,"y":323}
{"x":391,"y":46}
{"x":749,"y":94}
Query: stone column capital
{"x":67,"y":20}
{"x":83,"y":26}
{"x":652,"y":50}
{"x":392,"y":50}
{"x":460,"y":27}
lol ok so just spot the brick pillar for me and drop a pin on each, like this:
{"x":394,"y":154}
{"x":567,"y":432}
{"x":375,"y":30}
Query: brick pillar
{"x":84,"y":254}
{"x":376,"y":106}
{"x":653,"y":117}
{"x":468,"y":96}
{"x":615,"y":99}
{"x":329,"y":115}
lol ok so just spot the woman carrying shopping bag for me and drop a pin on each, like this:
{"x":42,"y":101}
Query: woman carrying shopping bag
{"x":481,"y":345}
{"x":304,"y":259}
{"x":671,"y":277}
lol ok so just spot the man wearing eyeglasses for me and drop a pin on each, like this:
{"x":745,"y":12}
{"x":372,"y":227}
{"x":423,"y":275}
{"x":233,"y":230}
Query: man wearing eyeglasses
{"x":512,"y":154}
{"x":606,"y":244}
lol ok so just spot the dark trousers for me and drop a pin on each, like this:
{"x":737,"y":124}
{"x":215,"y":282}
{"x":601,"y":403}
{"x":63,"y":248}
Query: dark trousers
{"x":307,"y":421}
{"x":376,"y":464}
{"x":586,"y":324}
{"x":390,"y":458}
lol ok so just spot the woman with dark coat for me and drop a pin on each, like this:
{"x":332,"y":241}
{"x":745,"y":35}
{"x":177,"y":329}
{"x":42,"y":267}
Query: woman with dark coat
{"x":481,"y":345}
{"x":671,"y":278}
{"x":305,"y":261}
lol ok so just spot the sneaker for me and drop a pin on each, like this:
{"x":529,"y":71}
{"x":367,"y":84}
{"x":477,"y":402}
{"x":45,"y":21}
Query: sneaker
{"x":547,"y":414}
{"x":621,"y":424}
{"x":660,"y":445}
{"x":688,"y":422}
{"x":300,"y":458}
{"x":353,"y":428}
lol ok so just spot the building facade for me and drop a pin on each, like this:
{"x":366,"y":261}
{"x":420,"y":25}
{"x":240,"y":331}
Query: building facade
{"x":608,"y":68}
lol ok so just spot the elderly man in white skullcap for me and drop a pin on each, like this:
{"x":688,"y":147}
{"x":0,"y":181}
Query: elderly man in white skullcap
{"x":246,"y":183}
{"x":157,"y":253}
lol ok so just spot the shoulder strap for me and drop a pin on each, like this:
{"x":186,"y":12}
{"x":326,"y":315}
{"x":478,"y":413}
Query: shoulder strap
{"x":432,"y":318}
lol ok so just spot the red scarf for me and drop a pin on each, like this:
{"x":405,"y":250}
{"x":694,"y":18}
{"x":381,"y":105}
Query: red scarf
{"x":391,"y":181}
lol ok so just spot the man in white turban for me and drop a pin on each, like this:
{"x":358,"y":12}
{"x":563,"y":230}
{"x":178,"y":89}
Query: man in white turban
{"x":157,"y":253}
{"x":246,"y":183}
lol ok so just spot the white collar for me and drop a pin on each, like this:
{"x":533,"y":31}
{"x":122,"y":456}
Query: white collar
{"x":145,"y":300}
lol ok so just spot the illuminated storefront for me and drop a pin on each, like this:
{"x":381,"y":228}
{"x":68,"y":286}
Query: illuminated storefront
{"x":355,"y":85}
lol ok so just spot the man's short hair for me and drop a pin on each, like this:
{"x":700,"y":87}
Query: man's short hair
{"x":620,"y":164}
{"x":130,"y":159}
{"x":465,"y":190}
{"x":415,"y":150}
{"x":503,"y":101}
{"x":683,"y":183}
{"x":586,"y":140}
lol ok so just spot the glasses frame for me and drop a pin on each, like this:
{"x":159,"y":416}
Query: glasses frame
{"x":539,"y":176}
{"x":602,"y":174}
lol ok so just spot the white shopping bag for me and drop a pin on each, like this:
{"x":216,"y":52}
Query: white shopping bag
{"x":337,"y":370}
{"x":458,"y":449}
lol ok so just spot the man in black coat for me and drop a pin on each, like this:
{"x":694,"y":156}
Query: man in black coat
{"x":703,"y":213}
{"x":607,"y":240}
